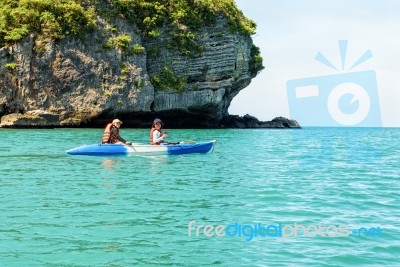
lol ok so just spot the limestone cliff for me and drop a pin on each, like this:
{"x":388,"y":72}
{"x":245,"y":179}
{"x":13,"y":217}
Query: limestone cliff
{"x":89,"y":80}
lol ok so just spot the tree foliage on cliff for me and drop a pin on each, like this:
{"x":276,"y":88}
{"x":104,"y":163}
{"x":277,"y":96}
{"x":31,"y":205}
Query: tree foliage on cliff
{"x":53,"y":19}
{"x":58,"y":18}
{"x":256,"y":61}
{"x":151,"y":15}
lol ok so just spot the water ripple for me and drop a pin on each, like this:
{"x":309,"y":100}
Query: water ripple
{"x":123,"y":211}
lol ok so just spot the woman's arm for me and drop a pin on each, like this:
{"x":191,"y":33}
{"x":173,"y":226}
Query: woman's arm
{"x":157,"y":137}
{"x":114,"y":132}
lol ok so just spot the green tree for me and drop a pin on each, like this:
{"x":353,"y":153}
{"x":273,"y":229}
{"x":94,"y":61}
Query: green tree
{"x":50,"y":18}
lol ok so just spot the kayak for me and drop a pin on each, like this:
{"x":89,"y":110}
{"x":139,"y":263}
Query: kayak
{"x":139,"y":149}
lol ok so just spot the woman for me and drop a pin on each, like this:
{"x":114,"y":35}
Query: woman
{"x":111,"y":133}
{"x":156,"y":136}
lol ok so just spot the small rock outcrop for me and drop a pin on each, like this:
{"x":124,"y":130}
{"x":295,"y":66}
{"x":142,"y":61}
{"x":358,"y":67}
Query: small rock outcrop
{"x":247,"y":121}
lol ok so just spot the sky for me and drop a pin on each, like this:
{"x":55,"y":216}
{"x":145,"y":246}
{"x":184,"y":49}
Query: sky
{"x":290,"y":33}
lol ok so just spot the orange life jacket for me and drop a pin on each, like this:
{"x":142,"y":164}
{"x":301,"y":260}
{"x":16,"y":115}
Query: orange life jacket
{"x":151,"y":136}
{"x":107,"y":138}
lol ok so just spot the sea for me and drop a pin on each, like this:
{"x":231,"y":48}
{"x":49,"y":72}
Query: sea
{"x":263,"y":197}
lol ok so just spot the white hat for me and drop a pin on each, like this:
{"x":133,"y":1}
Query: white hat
{"x":157,"y":120}
{"x":116,"y":121}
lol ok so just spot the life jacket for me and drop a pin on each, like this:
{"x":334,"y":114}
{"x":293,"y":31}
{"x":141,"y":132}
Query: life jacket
{"x":151,"y":136}
{"x":107,"y":138}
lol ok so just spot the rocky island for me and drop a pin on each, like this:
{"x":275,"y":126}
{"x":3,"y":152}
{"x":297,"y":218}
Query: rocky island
{"x":69,"y":63}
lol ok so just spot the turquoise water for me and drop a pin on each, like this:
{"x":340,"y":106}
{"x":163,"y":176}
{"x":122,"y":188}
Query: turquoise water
{"x":60,"y":210}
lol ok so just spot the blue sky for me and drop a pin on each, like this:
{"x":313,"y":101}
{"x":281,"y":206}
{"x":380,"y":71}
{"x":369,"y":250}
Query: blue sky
{"x":291,"y":32}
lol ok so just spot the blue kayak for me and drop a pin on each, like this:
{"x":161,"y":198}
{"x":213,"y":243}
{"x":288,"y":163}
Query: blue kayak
{"x":138,"y":149}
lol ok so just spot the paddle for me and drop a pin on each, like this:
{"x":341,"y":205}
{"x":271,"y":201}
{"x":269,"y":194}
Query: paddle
{"x":178,"y":143}
{"x":181,"y":142}
{"x":188,"y":142}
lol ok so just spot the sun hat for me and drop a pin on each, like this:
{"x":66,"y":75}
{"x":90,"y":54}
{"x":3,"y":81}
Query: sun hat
{"x":116,"y":121}
{"x":157,"y":120}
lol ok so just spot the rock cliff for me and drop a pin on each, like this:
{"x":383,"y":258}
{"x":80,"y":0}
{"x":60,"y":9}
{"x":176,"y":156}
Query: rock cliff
{"x":87,"y":81}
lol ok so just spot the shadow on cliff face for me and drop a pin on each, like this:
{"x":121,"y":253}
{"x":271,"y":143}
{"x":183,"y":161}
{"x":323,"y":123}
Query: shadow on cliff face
{"x":172,"y":119}
{"x":179,"y":119}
